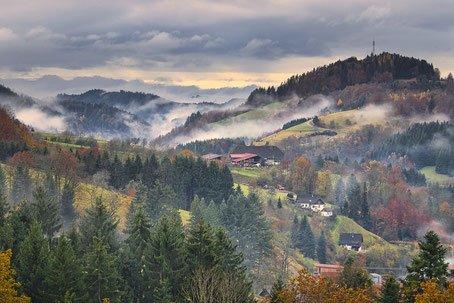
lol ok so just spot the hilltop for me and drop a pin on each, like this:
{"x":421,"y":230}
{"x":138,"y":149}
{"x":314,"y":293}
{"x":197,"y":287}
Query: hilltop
{"x":397,"y":86}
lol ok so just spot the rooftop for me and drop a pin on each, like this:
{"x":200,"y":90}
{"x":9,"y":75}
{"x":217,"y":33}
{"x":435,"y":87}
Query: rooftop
{"x":351,"y":239}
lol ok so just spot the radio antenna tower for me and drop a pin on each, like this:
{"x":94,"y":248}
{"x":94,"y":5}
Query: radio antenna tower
{"x":373,"y":47}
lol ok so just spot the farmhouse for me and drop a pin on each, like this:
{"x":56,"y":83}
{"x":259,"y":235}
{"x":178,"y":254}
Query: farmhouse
{"x":270,"y":154}
{"x":245,"y":159}
{"x":351,"y":241}
{"x":213,"y":157}
{"x":328,"y":270}
{"x":311,"y":202}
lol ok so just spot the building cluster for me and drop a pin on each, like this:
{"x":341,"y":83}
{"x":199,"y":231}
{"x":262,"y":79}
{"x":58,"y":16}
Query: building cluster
{"x":246,"y":156}
{"x":314,"y":204}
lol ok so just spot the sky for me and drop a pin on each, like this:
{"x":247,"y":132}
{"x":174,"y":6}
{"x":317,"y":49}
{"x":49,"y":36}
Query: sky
{"x":213,"y":44}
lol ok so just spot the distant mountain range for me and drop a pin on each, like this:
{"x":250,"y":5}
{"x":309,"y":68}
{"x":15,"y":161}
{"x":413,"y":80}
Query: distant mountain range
{"x":48,"y":86}
{"x":409,"y":85}
{"x":108,"y":114}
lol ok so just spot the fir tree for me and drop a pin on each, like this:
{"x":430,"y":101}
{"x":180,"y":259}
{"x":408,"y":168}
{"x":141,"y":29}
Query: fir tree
{"x":166,"y":259}
{"x":353,"y":203}
{"x":134,"y":263}
{"x":101,"y":277}
{"x":200,"y":247}
{"x":308,"y":245}
{"x":65,"y":272}
{"x":340,"y":194}
{"x":99,"y":222}
{"x":391,"y":291}
{"x":21,"y":188}
{"x":295,"y":234}
{"x":67,"y":211}
{"x":429,"y":264}
{"x":354,"y":275}
{"x":366,"y":220}
{"x":33,"y":264}
{"x":47,"y":212}
{"x":321,"y":249}
{"x":51,"y":187}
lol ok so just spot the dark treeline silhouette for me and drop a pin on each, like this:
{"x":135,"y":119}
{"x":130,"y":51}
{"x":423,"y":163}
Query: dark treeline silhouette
{"x":323,"y":80}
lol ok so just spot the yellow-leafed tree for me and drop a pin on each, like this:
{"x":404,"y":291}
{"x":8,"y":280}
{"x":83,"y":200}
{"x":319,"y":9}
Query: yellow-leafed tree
{"x":8,"y":284}
{"x":433,"y":293}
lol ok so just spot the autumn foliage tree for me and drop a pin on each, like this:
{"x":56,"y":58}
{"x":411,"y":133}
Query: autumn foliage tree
{"x":302,"y":175}
{"x":398,"y":220}
{"x":307,"y":288}
{"x":8,"y":285}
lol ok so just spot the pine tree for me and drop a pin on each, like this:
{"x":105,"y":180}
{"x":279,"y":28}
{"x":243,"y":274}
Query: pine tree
{"x":166,"y":259}
{"x":230,"y":265}
{"x":391,"y":291}
{"x":65,"y":272}
{"x":47,"y":212}
{"x":353,"y":201}
{"x":340,"y":193}
{"x":51,"y":187}
{"x":68,"y":213}
{"x":21,"y":188}
{"x":134,"y":263}
{"x":366,"y":220}
{"x":101,"y":277}
{"x":279,"y":203}
{"x":99,"y":222}
{"x":200,"y":247}
{"x":308,"y":246}
{"x":428,"y":264}
{"x":354,"y":275}
{"x":321,"y":249}
{"x":295,"y":234}
{"x":33,"y":264}
{"x":198,"y":208}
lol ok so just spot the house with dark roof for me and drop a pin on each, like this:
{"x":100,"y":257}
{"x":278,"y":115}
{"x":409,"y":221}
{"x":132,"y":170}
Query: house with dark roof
{"x":245,"y":159}
{"x":269,"y":153}
{"x":213,"y":157}
{"x":311,"y":202}
{"x":351,"y":241}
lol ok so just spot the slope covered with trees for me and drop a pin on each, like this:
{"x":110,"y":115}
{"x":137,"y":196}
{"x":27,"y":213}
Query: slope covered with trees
{"x":384,"y":67}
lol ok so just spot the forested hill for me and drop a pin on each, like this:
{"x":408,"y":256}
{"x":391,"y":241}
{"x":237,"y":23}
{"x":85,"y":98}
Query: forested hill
{"x":384,"y":67}
{"x":12,"y":130}
{"x":120,"y":98}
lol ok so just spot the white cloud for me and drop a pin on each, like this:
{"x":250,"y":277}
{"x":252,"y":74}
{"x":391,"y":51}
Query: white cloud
{"x":6,"y":34}
{"x":40,"y":120}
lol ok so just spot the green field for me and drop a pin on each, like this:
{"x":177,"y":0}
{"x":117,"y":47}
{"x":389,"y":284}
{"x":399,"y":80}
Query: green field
{"x":433,"y":177}
{"x":248,"y":172}
{"x":346,"y":225}
{"x":266,"y":111}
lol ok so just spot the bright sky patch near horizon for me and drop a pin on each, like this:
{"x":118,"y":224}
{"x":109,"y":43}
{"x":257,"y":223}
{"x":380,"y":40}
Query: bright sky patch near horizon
{"x":214,"y":44}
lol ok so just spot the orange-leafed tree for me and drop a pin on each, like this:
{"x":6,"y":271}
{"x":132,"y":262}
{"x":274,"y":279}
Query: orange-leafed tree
{"x":433,"y":293}
{"x":8,"y":285}
{"x":302,"y":175}
{"x":307,"y":288}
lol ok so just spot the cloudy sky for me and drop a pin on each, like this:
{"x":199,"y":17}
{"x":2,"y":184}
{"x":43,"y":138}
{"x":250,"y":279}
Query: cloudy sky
{"x":213,"y":44}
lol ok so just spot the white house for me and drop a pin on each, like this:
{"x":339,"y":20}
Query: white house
{"x":327,"y":212}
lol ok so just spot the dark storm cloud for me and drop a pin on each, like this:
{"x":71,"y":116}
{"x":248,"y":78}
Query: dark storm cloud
{"x":212,"y":35}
